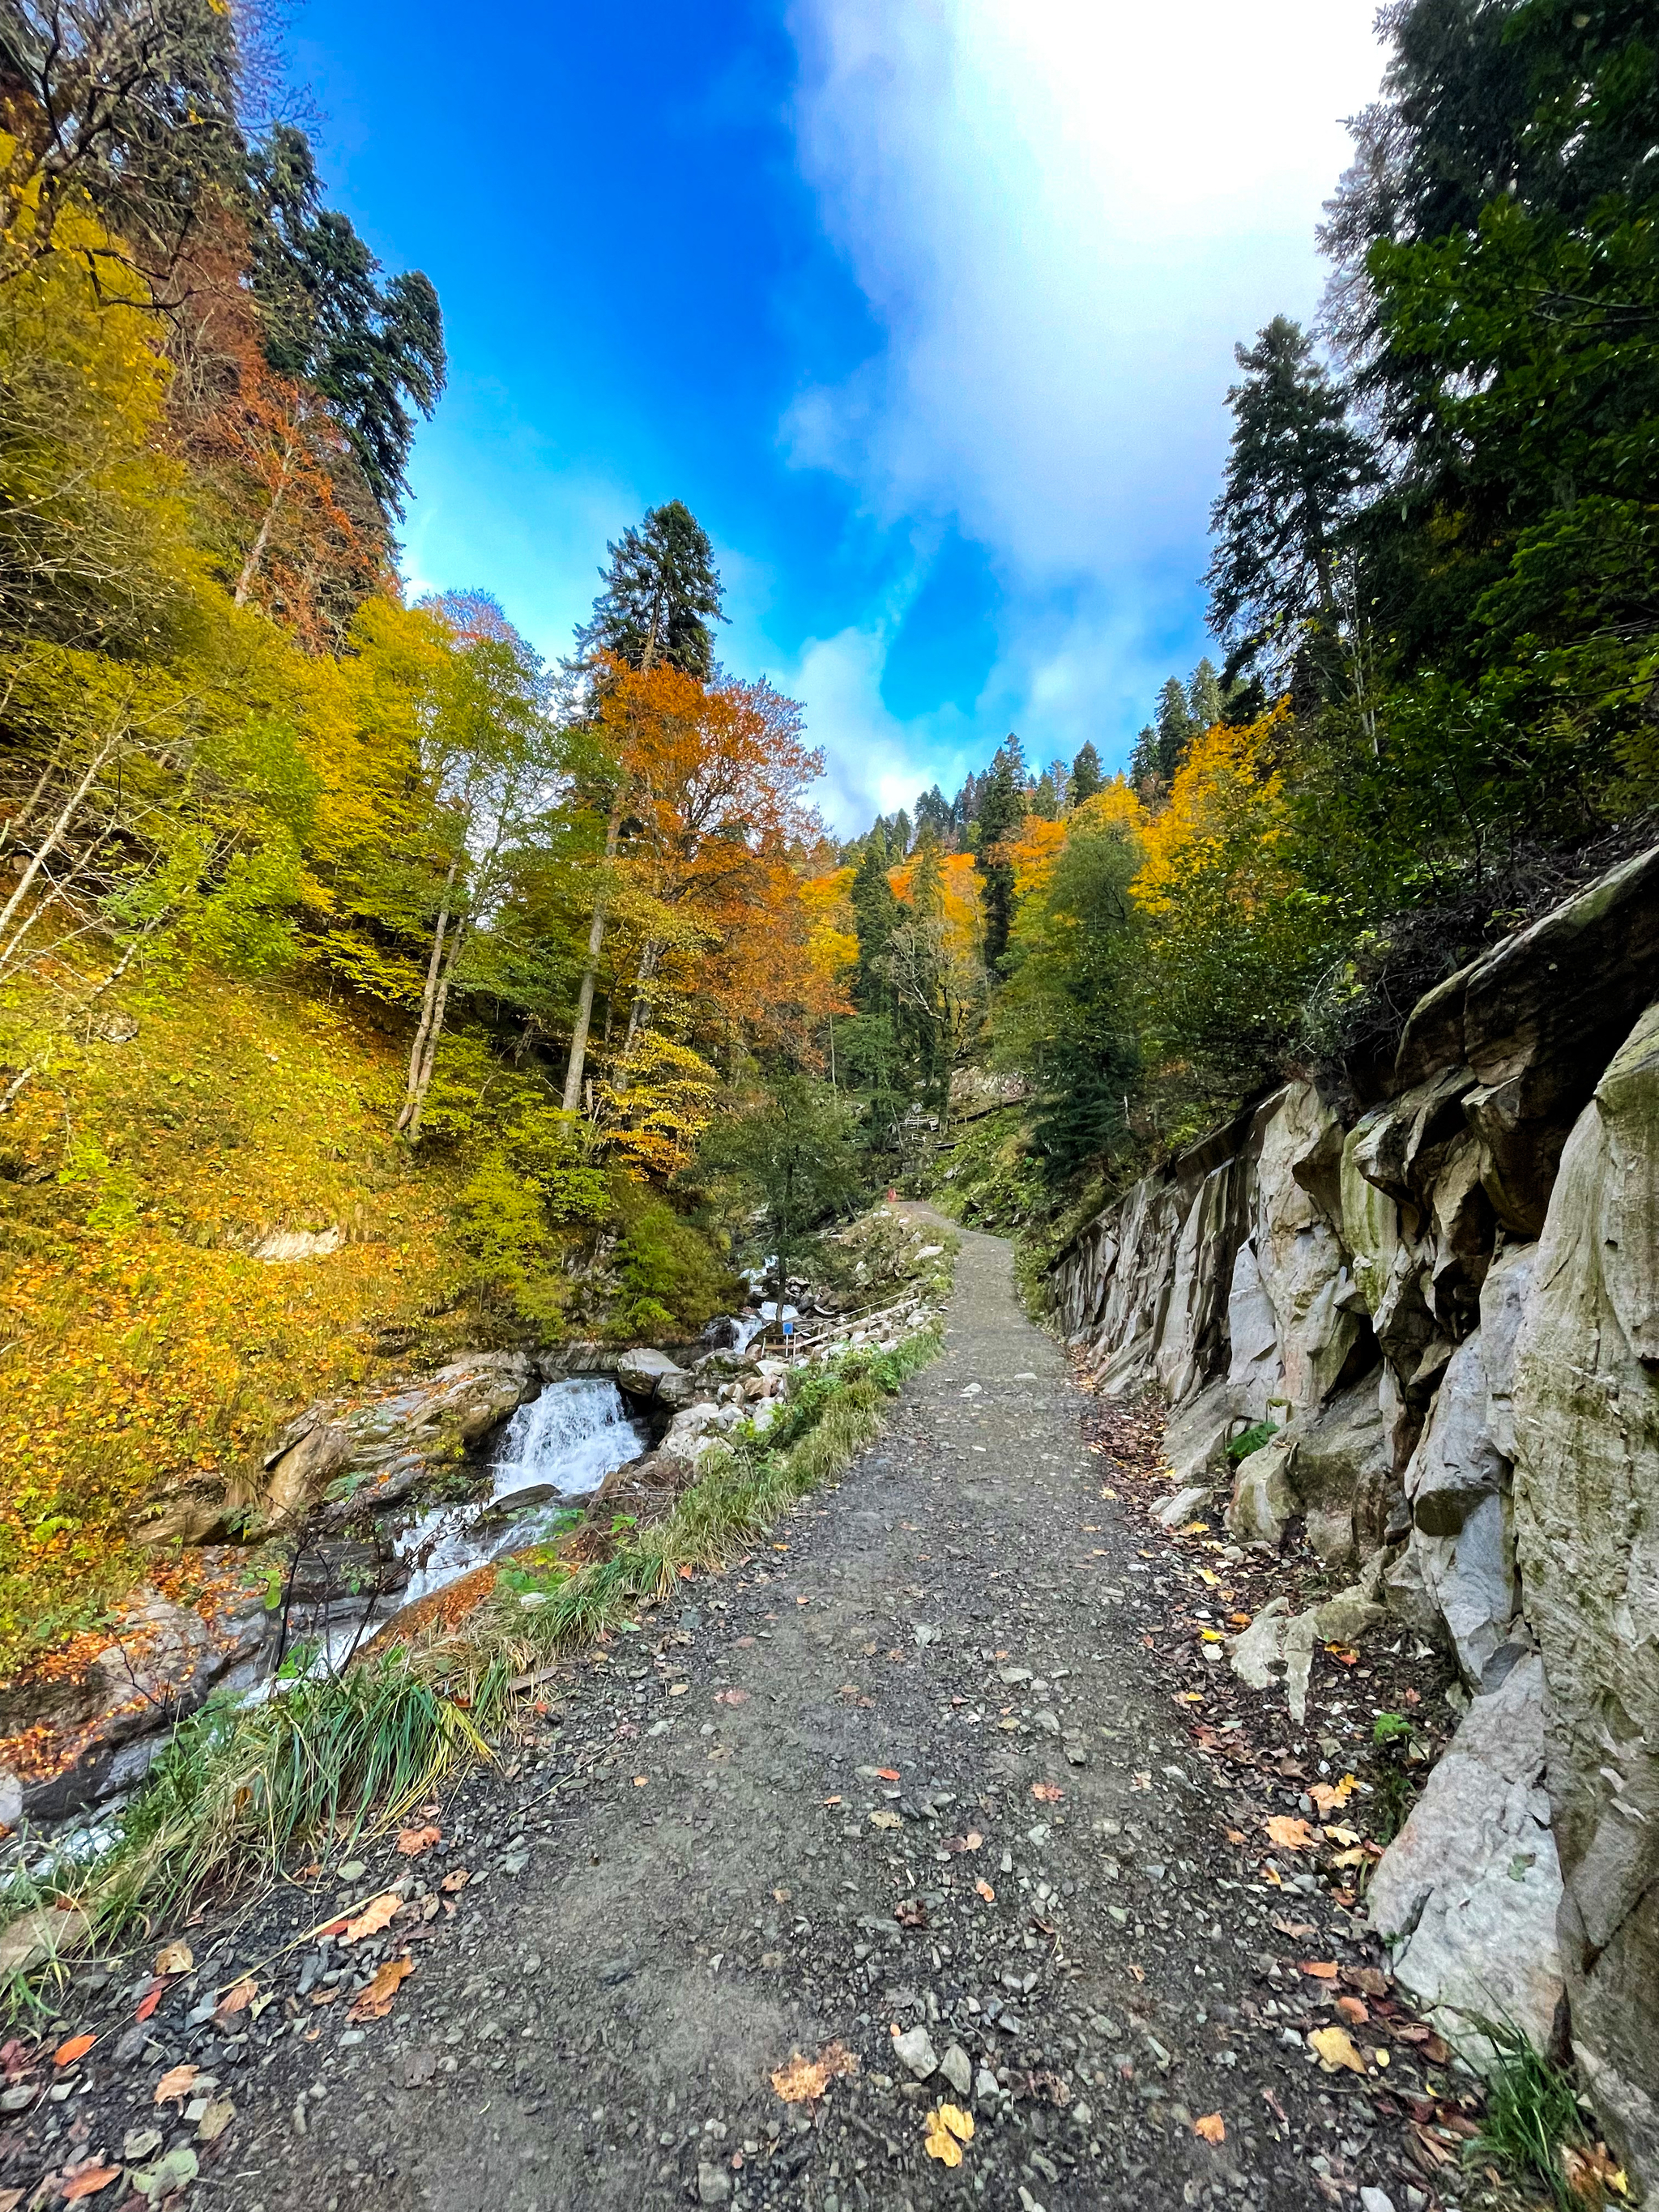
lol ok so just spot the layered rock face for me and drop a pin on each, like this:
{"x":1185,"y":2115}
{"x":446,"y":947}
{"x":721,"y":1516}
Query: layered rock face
{"x":1440,"y":1318}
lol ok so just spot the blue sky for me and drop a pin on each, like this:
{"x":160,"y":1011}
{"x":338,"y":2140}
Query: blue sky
{"x":926,"y":308}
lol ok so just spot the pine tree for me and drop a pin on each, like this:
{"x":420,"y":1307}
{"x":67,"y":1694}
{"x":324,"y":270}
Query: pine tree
{"x":1004,"y":803}
{"x":1087,"y":776}
{"x":1204,"y":695}
{"x":1296,"y":470}
{"x":875,"y":917}
{"x":661,"y":593}
{"x":933,"y":812}
{"x":1176,"y":729}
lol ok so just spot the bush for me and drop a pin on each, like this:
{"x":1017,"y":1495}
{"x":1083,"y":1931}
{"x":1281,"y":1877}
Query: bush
{"x":673,"y":1279}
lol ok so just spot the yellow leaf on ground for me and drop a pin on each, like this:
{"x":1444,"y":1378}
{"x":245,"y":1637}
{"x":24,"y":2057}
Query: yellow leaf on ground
{"x":1211,"y":2127}
{"x":1335,"y":2049}
{"x":174,"y":1959}
{"x":946,"y":2130}
{"x":1328,"y":1795}
{"x":1289,"y":1834}
{"x":216,"y":2118}
{"x":804,"y":2080}
{"x":372,"y":1917}
{"x":375,"y":2002}
{"x":885,"y":1821}
{"x":175,"y":2083}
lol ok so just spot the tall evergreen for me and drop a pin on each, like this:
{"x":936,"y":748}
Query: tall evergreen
{"x":1087,"y":776}
{"x":1205,"y":699}
{"x":1004,"y":803}
{"x":661,"y":593}
{"x":1296,"y":470}
{"x":1175,"y":728}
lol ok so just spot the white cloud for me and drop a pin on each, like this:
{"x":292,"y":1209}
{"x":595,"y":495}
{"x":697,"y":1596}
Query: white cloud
{"x":1063,"y":214}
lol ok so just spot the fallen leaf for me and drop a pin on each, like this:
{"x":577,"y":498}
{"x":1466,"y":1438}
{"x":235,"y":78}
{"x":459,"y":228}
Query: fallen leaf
{"x":11,"y":2199}
{"x":911,"y":1912}
{"x":1335,"y":2048}
{"x":150,"y":1999}
{"x":457,"y":1878}
{"x":411,"y":1842}
{"x":887,"y":1774}
{"x":1294,"y":1927}
{"x":1371,"y":1981}
{"x":174,"y":1959}
{"x":88,"y":2181}
{"x":1140,"y":1972}
{"x":731,"y":1697}
{"x":77,"y":2047}
{"x":175,"y":2083}
{"x":973,"y":1839}
{"x":373,"y":1917}
{"x":1235,"y":1835}
{"x":1211,"y":2127}
{"x":1328,"y":1795}
{"x":804,"y":2080}
{"x":237,"y":1999}
{"x":885,"y":1821}
{"x":641,"y":1780}
{"x":375,"y":2002}
{"x":1289,"y":1834}
{"x":986,"y":1891}
{"x":1047,"y":1793}
{"x":1355,"y":1857}
{"x":946,"y":2130}
{"x":216,"y":2118}
{"x":1339,"y":1835}
{"x":1591,"y":2174}
{"x":1322,"y":1970}
{"x":1353,"y":2010}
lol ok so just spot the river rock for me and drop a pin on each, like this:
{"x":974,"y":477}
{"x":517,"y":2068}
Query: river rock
{"x":1467,"y":1893}
{"x":653,"y":1375}
{"x":1586,"y":1418}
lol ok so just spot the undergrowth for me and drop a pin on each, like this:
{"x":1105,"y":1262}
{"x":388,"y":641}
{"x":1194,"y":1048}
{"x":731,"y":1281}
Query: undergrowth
{"x":1533,"y":2128}
{"x":241,"y":1788}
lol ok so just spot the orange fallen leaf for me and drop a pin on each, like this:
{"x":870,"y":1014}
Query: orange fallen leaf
{"x":1289,"y":1834}
{"x":1047,"y":1793}
{"x":986,"y":1891}
{"x":237,"y":1999}
{"x":374,"y":1916}
{"x":150,"y":1999}
{"x":1353,"y":2010}
{"x":175,"y":2083}
{"x":731,"y":1697}
{"x":457,"y":1878}
{"x":1322,"y":1970}
{"x":1328,"y":1795}
{"x":375,"y":2002}
{"x":1235,"y":1835}
{"x":804,"y":2080}
{"x":411,"y":1842}
{"x":1211,"y":2127}
{"x":88,"y":2181}
{"x":77,"y":2047}
{"x":887,"y":1774}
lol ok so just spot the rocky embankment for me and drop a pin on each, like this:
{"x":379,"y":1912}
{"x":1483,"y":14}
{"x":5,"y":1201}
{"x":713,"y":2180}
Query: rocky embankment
{"x":1431,"y":1315}
{"x":364,"y":1503}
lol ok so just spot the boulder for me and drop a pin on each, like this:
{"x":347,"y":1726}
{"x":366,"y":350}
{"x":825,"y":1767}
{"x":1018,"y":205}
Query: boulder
{"x":1195,"y":1441}
{"x":1586,"y":1421}
{"x":1340,"y":1471}
{"x":1263,"y":1501}
{"x":1277,"y":1639}
{"x":1318,"y":1315}
{"x":1467,"y":1893}
{"x":650,"y":1374}
{"x":1175,"y":1511}
{"x":287,"y":1244}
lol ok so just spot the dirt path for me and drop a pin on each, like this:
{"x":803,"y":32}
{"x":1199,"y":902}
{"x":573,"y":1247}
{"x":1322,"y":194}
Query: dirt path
{"x":741,"y":1835}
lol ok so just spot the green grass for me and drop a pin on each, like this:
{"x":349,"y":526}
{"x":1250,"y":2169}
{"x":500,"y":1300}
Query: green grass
{"x":241,"y":1790}
{"x":1532,"y":2112}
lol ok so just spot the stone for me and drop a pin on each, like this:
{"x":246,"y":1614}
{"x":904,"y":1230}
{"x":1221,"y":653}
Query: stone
{"x":36,"y":1937}
{"x":1301,"y":1265}
{"x":1467,"y":1893}
{"x":986,"y":2091}
{"x":1195,"y":1441}
{"x":1376,"y":2200}
{"x":1255,"y":1374}
{"x":914,"y":2051}
{"x":958,"y":2068}
{"x":1586,"y":1490}
{"x":1458,"y":1483}
{"x":11,"y":1798}
{"x":1262,"y":1501}
{"x":1536,"y":1019}
{"x":1174,"y":1511}
{"x":655,"y":1375}
{"x":1340,"y":1471}
{"x":1277,"y":1639}
{"x":290,"y":1244}
{"x":713,"y":2184}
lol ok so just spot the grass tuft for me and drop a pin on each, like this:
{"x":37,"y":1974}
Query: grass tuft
{"x":1532,"y":2117}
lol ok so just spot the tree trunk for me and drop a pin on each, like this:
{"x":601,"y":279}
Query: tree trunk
{"x":257,"y":550}
{"x":434,"y":1031}
{"x":54,"y":836}
{"x":573,"y":1073}
{"x":648,"y":960}
{"x":436,"y":989}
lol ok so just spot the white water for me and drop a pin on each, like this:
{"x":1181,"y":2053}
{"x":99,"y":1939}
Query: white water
{"x":565,"y":1442}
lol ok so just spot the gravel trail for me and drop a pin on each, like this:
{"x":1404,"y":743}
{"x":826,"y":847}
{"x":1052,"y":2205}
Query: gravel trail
{"x":912,"y":1767}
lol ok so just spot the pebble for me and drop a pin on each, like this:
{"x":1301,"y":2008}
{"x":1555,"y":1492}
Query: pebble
{"x":914,"y":2049}
{"x":713,"y":2184}
{"x":958,"y":2068}
{"x":1376,"y":2200}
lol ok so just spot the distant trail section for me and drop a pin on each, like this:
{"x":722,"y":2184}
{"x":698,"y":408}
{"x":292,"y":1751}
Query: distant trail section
{"x":898,"y":1815}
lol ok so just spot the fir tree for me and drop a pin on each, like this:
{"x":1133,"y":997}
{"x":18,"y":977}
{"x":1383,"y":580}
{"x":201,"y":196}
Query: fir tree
{"x":661,"y":593}
{"x":1004,"y":803}
{"x":1204,"y":696}
{"x":1176,"y":729}
{"x":1087,"y":776}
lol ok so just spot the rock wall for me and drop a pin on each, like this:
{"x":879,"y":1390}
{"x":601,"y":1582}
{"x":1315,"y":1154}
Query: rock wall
{"x":1446,"y":1308}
